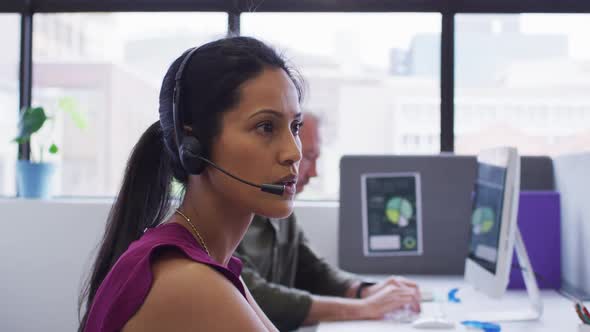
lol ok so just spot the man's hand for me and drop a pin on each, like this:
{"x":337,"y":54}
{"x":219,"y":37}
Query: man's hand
{"x":394,"y":281}
{"x":376,"y":302}
{"x":389,"y":298}
{"x":397,"y":285}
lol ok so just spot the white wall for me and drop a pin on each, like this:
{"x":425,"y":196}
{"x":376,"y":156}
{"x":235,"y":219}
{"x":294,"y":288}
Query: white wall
{"x":46,"y":246}
{"x":572,"y":179}
{"x":319,"y":221}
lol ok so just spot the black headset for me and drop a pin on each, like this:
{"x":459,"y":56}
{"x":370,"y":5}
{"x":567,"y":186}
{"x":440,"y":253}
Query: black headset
{"x":190,"y":149}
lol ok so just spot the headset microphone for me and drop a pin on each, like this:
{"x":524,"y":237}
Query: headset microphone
{"x":275,"y":189}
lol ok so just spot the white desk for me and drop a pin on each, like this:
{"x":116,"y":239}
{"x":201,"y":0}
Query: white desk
{"x":558,"y":315}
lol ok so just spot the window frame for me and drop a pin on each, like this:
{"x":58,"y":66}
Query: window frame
{"x":238,"y":6}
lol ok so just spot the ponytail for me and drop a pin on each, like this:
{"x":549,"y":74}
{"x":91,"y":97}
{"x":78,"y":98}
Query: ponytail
{"x":143,"y":202}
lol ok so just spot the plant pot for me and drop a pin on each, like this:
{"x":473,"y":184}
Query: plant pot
{"x":34,"y":180}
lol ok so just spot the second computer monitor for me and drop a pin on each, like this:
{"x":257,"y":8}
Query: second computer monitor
{"x":493,"y":220}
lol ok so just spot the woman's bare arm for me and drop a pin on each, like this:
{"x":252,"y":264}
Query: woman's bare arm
{"x":188,"y":296}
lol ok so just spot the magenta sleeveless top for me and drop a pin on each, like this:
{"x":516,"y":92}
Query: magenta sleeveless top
{"x":126,"y":286}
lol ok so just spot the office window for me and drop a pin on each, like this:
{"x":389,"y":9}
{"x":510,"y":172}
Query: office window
{"x":110,"y":67}
{"x":523,"y":80}
{"x":373,"y":79}
{"x":9,"y":62}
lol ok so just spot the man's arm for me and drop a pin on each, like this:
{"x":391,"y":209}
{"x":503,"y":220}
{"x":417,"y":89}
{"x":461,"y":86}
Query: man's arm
{"x":315,"y":275}
{"x":290,"y":308}
{"x":263,"y":318}
{"x":375,"y":306}
{"x":318,"y":277}
{"x":286,"y":307}
{"x":336,"y":291}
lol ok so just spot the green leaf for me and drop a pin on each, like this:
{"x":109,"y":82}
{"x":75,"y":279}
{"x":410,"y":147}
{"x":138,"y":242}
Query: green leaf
{"x":21,"y":140}
{"x":53,"y":149}
{"x":70,"y":106}
{"x":31,"y":120}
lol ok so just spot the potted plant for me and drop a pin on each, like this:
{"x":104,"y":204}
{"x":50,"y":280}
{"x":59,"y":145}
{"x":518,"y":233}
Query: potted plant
{"x":35,"y":176}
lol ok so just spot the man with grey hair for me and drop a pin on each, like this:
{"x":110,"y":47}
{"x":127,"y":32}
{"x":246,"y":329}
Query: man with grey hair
{"x":293,"y":285}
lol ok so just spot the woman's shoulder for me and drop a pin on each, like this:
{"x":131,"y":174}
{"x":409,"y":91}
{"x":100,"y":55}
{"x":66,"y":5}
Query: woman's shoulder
{"x":173,"y":267}
{"x":169,"y":248}
{"x":136,"y":262}
{"x":187,"y":294}
{"x":175,"y":278}
{"x":172,"y":247}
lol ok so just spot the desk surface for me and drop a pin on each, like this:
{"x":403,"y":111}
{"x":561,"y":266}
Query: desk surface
{"x":558,"y":314}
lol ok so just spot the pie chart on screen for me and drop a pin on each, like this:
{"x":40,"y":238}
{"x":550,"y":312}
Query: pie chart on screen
{"x":482,"y":220}
{"x":399,"y":211}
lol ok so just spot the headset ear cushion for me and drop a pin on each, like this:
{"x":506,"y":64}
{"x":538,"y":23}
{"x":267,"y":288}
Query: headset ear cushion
{"x":190,"y":151}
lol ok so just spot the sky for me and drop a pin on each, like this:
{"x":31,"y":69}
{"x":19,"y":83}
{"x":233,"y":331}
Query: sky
{"x":369,"y":35}
{"x":321,"y":33}
{"x":576,"y":26}
{"x":314,"y":32}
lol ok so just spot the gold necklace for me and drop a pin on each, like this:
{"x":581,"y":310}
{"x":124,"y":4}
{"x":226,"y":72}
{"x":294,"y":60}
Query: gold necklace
{"x":199,"y":237}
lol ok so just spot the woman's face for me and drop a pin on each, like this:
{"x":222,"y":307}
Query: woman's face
{"x":259,"y":142}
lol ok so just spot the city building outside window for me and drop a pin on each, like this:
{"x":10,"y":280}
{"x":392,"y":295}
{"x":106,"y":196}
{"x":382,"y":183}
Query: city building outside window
{"x":522,"y":80}
{"x":9,"y":101}
{"x":112,"y":66}
{"x":373,"y":78}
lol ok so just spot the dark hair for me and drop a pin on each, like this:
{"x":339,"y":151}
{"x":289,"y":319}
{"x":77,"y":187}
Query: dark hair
{"x":213,"y":77}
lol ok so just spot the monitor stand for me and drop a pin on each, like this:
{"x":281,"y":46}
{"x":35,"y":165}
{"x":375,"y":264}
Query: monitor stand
{"x":535,"y":310}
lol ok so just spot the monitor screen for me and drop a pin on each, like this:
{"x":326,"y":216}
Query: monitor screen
{"x":486,"y":215}
{"x":391,"y":214}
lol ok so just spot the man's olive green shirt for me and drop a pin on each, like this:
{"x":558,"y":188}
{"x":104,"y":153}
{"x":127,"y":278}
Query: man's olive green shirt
{"x":282,"y":271}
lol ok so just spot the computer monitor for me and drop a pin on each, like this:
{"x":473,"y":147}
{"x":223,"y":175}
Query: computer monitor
{"x":495,"y":234}
{"x":493,"y":220}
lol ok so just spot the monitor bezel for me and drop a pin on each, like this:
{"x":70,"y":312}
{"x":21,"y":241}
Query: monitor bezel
{"x":482,"y":279}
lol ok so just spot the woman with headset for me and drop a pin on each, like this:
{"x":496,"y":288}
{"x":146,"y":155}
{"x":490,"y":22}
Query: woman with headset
{"x":229,"y":110}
